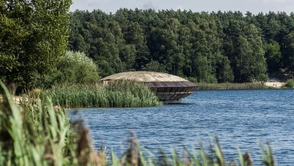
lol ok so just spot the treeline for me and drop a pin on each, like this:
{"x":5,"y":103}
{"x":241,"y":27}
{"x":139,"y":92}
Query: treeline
{"x":204,"y":47}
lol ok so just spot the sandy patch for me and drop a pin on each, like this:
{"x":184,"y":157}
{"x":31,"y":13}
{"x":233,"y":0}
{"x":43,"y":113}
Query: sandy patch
{"x":275,"y":84}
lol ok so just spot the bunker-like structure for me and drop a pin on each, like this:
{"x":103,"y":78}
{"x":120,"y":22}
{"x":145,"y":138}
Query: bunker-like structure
{"x":167,"y":87}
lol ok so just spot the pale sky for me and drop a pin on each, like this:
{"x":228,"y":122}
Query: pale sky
{"x":254,"y":6}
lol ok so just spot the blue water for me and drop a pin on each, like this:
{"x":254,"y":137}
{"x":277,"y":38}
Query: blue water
{"x":238,"y":118}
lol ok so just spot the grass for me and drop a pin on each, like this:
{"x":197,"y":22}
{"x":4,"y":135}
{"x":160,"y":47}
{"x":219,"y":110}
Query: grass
{"x":231,"y":86}
{"x":35,"y":133}
{"x":117,"y":94}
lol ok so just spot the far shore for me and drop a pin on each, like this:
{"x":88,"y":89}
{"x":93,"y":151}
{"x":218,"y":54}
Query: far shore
{"x":219,"y":86}
{"x":241,"y":86}
{"x":275,"y":84}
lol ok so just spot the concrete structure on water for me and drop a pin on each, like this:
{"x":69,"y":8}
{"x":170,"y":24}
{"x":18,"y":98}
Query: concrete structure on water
{"x":167,"y":87}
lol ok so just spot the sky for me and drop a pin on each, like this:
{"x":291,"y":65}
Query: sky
{"x":254,"y":6}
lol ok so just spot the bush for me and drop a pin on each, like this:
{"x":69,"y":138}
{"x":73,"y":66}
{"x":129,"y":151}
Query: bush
{"x":76,"y":67}
{"x":73,"y":67}
{"x":290,"y":83}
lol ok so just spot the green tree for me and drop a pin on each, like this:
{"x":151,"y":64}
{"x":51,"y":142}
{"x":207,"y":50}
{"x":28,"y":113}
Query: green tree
{"x":203,"y":70}
{"x":224,"y":70}
{"x":33,"y":36}
{"x":154,"y":66}
{"x":273,"y":56}
{"x":232,"y":46}
{"x":134,"y":37}
{"x":245,"y":49}
{"x":288,"y":58}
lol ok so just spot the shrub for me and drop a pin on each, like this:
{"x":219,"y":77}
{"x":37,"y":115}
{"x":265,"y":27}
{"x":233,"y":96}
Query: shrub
{"x":76,"y":67}
{"x":290,"y":83}
{"x":73,"y":67}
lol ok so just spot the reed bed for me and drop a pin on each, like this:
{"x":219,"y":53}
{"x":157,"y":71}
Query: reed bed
{"x":35,"y":133}
{"x":117,"y":94}
{"x":231,"y":86}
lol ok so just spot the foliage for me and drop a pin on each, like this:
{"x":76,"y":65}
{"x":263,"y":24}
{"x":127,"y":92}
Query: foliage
{"x":273,"y":56}
{"x":290,"y":83}
{"x":33,"y":36}
{"x":76,"y":67}
{"x":35,"y":133}
{"x":72,"y":68}
{"x":154,"y":66}
{"x":209,"y":47}
{"x":117,"y":94}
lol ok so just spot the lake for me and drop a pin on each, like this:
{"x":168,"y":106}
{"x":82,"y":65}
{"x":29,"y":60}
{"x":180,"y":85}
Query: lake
{"x":239,"y":119}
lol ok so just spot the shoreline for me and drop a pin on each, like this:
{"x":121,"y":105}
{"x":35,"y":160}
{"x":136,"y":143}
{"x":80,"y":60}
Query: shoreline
{"x":208,"y":86}
{"x":275,"y":84}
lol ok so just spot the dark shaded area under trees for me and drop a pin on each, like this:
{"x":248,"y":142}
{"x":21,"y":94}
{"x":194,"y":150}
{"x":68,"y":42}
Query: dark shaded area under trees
{"x":204,"y":47}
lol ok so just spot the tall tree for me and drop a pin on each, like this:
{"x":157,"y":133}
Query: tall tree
{"x":288,"y":58}
{"x":273,"y":56}
{"x":33,"y":36}
{"x":211,"y":47}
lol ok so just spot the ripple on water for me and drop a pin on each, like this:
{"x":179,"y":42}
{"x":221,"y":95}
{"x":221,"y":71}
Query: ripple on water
{"x":239,"y":118}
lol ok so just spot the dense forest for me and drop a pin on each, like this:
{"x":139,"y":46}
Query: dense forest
{"x":214,"y":47}
{"x":204,"y":47}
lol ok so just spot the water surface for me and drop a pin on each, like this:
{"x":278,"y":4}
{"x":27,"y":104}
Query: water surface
{"x":239,"y":118}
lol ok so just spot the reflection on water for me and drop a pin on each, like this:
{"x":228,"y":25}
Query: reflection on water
{"x":238,"y":118}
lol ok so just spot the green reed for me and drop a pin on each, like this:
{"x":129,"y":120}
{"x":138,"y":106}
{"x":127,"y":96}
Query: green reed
{"x":117,"y":94}
{"x":213,"y":156}
{"x":231,"y":86}
{"x":34,"y":134}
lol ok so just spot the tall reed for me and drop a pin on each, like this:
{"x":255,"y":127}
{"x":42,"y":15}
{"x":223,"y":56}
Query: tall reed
{"x":213,"y":156}
{"x":117,"y":94}
{"x":231,"y":86}
{"x":35,"y":133}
